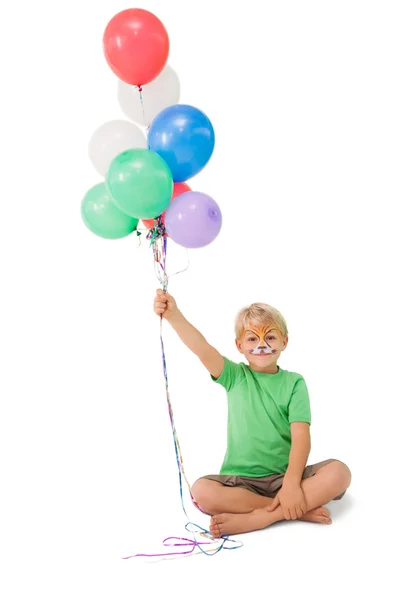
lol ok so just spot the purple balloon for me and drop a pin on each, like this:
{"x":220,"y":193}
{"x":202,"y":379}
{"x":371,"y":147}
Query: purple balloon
{"x":193,"y":220}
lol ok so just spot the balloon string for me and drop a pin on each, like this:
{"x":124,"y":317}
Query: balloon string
{"x":141,"y":102}
{"x":139,"y":231}
{"x":158,"y":240}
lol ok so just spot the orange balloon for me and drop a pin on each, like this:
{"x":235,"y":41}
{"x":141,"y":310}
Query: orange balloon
{"x":179,"y":188}
{"x":136,"y":46}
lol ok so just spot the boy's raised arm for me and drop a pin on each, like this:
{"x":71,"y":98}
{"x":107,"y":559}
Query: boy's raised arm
{"x":165,"y":305}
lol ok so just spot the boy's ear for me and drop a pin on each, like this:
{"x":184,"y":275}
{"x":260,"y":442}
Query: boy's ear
{"x":239,"y":346}
{"x":285,"y":342}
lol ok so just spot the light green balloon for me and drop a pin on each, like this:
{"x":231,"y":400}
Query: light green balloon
{"x":102,"y":217}
{"x":140,"y":183}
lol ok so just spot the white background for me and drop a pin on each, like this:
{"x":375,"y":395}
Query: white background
{"x":304,"y":98}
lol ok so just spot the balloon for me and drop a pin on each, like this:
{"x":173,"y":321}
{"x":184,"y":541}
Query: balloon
{"x":140,"y":183}
{"x":179,"y":188}
{"x":136,"y":46}
{"x":163,"y":91}
{"x":193,"y":220}
{"x":102,"y":217}
{"x":184,"y":137}
{"x":111,"y":139}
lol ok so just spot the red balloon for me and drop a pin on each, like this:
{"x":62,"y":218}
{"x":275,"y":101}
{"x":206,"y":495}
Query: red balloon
{"x":179,"y":188}
{"x":136,"y":46}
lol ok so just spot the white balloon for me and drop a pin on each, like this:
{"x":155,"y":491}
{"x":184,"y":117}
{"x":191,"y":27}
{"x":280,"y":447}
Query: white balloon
{"x":163,"y":91}
{"x":111,"y":139}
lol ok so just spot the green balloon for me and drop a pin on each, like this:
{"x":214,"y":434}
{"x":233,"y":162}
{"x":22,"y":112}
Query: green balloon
{"x":102,"y":217}
{"x":140,"y":183}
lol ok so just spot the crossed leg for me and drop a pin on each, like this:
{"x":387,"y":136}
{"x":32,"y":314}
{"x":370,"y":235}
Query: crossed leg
{"x":236,"y":510}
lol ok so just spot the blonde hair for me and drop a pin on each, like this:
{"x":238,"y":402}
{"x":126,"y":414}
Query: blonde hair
{"x":259,"y":314}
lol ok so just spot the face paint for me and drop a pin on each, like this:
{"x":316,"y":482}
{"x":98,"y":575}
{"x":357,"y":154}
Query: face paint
{"x":261,"y":333}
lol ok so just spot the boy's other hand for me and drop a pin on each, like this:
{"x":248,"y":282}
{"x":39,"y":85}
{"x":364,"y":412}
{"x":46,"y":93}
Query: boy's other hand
{"x":291,"y":498}
{"x":165,"y":305}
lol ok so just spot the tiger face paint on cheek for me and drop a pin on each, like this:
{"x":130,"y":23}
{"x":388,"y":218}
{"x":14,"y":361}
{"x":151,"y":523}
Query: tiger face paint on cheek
{"x":262,"y":347}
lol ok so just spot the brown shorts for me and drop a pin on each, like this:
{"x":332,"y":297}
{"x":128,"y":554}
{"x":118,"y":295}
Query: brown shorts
{"x":266,"y":486}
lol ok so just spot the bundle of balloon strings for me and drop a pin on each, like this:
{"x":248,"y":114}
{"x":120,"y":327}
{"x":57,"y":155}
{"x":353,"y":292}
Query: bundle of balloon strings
{"x":158,"y":241}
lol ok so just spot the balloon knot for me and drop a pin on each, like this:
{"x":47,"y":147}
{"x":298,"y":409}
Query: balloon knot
{"x":157,"y":231}
{"x":139,"y":239}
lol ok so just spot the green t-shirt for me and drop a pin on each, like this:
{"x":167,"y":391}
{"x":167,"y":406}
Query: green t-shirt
{"x":260,"y":409}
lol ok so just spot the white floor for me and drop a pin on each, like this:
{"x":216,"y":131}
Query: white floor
{"x":79,"y":556}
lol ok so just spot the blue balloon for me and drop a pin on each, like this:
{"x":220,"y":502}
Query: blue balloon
{"x":184,"y":137}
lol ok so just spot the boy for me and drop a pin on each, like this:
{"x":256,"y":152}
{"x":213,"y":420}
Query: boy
{"x":264,"y":478}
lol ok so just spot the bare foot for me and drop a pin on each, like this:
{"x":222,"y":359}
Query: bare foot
{"x":230,"y":523}
{"x":318,"y":515}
